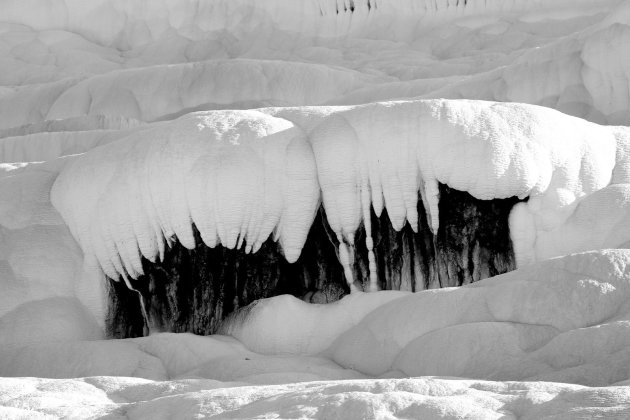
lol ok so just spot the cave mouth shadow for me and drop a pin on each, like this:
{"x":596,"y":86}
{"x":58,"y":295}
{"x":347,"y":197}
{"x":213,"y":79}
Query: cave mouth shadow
{"x":194,"y":290}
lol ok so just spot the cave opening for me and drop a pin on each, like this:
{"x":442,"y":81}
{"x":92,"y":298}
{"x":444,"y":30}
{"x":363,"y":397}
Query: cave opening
{"x":194,"y":290}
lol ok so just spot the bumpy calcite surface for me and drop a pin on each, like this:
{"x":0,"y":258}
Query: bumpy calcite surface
{"x":240,"y":176}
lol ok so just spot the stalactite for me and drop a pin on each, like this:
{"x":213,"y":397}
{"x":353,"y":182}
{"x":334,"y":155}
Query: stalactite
{"x":193,"y":290}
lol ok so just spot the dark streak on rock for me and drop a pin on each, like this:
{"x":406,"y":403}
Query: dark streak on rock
{"x":193,"y":290}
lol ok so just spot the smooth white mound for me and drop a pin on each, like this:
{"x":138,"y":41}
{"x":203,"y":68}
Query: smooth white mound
{"x":156,"y":59}
{"x":240,"y":176}
{"x":160,"y":92}
{"x":286,"y":325}
{"x":41,"y":266}
{"x":562,"y":320}
{"x":417,"y":398}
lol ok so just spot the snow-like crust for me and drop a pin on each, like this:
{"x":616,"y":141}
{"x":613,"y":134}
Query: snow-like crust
{"x":417,"y":398}
{"x":205,"y":184}
{"x":44,"y":146}
{"x":271,"y":327}
{"x":127,"y":24}
{"x":83,"y":123}
{"x":40,"y":263}
{"x":562,"y":320}
{"x":139,"y":61}
{"x":157,"y":92}
{"x":120,"y":202}
{"x":157,"y":59}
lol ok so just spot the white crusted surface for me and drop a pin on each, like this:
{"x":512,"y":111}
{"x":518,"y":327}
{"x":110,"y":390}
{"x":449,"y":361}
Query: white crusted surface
{"x":153,"y":185}
{"x":563,"y":320}
{"x":426,"y":398}
{"x":158,"y":60}
{"x":120,"y":202}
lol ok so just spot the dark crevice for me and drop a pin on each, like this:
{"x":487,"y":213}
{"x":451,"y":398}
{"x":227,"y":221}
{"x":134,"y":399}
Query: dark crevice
{"x":193,"y":290}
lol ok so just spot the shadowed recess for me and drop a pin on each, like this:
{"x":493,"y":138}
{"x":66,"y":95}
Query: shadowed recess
{"x":194,"y":290}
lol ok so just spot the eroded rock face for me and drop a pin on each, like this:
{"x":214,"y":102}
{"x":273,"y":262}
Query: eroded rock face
{"x":193,"y":290}
{"x":472,"y":243}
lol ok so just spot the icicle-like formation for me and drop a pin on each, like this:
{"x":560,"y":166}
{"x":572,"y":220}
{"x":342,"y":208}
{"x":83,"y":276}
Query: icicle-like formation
{"x":369,"y":242}
{"x":240,"y":176}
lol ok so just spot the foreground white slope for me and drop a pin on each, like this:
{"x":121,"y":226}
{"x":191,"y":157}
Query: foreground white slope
{"x":425,"y":398}
{"x":562,"y":320}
